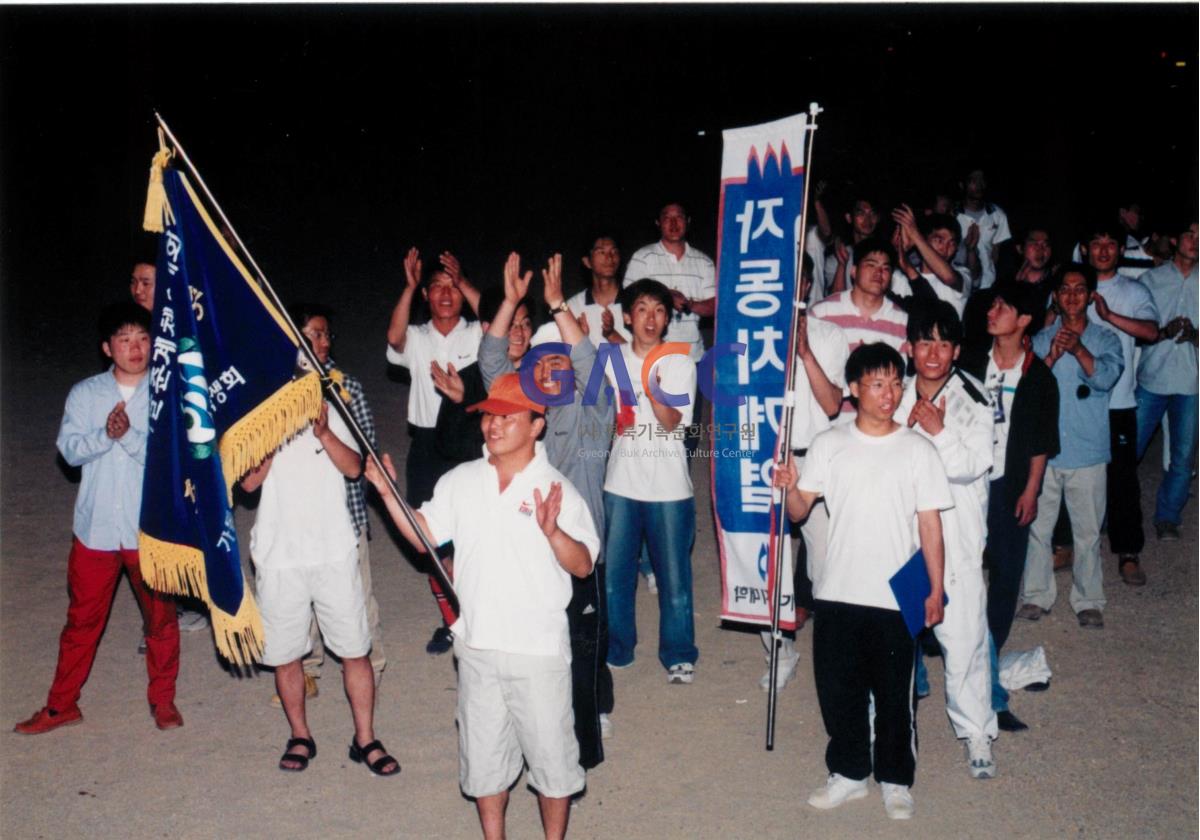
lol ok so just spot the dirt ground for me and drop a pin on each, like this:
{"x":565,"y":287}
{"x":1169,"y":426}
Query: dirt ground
{"x":1111,"y":750}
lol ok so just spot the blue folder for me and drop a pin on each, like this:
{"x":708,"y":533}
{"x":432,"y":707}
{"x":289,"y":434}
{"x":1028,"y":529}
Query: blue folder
{"x":911,"y":587}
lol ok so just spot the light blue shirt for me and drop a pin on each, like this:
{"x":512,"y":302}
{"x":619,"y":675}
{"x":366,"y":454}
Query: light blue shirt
{"x":110,"y":496}
{"x":1083,"y":400}
{"x":1168,"y":367}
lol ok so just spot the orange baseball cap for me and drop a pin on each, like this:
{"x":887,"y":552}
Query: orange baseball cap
{"x":507,"y":397}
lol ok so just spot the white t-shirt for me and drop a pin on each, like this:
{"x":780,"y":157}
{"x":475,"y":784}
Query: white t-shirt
{"x":1001,"y":386}
{"x":873,"y":489}
{"x":647,"y":463}
{"x":424,"y":345}
{"x":694,"y":275}
{"x":993,"y":230}
{"x":965,"y":448}
{"x":830,"y":347}
{"x":512,"y":589}
{"x":888,"y":324}
{"x":302,"y":517}
{"x":582,"y":304}
{"x":957,"y":298}
{"x":1130,"y":298}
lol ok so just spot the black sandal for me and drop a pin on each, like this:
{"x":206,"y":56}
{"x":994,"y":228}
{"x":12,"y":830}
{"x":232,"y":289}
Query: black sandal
{"x":302,"y":760}
{"x":359,"y":756}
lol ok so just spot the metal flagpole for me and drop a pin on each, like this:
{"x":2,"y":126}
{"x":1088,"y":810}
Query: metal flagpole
{"x":785,"y":430}
{"x":330,"y":388}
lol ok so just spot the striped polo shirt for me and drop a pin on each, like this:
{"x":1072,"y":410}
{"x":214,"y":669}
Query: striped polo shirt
{"x":889,"y":324}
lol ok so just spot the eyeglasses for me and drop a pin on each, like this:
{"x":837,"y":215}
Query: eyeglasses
{"x":317,"y":335}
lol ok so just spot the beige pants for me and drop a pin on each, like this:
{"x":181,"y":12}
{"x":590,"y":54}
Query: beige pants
{"x":312,"y":662}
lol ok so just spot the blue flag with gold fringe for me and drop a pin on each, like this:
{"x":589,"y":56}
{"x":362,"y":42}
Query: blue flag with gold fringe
{"x":225,"y":392}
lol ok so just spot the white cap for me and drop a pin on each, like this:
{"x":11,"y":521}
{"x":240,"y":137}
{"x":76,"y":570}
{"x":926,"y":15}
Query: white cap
{"x":545,"y":334}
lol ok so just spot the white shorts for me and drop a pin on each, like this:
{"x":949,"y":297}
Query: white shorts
{"x":288,"y":597}
{"x":514,"y":708}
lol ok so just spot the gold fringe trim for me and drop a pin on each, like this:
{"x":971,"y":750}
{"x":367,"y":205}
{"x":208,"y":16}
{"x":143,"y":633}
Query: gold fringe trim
{"x":273,"y":422}
{"x":157,"y":205}
{"x":179,"y":570}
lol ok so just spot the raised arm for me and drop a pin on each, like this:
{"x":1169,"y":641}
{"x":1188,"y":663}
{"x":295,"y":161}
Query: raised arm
{"x":903,"y":216}
{"x":402,"y":311}
{"x":345,"y":458}
{"x":516,"y":286}
{"x":552,"y":290}
{"x":393,"y":507}
{"x":454,"y":272}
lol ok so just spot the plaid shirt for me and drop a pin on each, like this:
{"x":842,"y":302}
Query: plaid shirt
{"x":356,"y":499}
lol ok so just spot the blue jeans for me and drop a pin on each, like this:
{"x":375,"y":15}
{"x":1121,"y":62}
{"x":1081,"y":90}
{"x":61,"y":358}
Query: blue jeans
{"x":669,"y":529}
{"x":1181,"y":410}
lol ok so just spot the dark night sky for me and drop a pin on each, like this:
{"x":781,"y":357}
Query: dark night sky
{"x":335,"y":137}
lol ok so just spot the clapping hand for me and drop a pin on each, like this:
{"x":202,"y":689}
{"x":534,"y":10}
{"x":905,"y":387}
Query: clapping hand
{"x":117,"y":423}
{"x":547,"y":509}
{"x":448,"y":381}
{"x":412,"y":268}
{"x":516,"y":285}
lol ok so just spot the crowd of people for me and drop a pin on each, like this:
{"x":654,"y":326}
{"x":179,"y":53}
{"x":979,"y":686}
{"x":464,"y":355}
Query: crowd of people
{"x":957,"y":392}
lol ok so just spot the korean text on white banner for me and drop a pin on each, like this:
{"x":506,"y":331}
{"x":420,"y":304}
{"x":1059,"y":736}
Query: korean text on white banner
{"x":762,"y":188}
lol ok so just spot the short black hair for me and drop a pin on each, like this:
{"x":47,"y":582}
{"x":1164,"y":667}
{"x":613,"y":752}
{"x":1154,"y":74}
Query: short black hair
{"x":1031,"y":229}
{"x":124,"y":314}
{"x":304,"y":311}
{"x":874,"y":245}
{"x":1026,"y":298}
{"x":1089,"y":274}
{"x":1101,"y":226}
{"x":940,"y":221}
{"x":936,"y":315}
{"x":873,"y":358}
{"x":646,"y":287}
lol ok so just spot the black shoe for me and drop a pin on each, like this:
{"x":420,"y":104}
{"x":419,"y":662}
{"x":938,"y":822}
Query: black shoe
{"x":441,"y":642}
{"x":1038,"y":686}
{"x":1008,"y":722}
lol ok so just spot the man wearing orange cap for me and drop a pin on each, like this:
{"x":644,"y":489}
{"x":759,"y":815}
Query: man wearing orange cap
{"x":520,"y":531}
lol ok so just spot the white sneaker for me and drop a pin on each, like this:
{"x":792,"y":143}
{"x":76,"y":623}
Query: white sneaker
{"x":606,"y":728}
{"x":897,"y":801}
{"x":837,"y":790}
{"x":979,"y":758}
{"x":785,"y":670}
{"x":652,"y":583}
{"x":681,"y":674}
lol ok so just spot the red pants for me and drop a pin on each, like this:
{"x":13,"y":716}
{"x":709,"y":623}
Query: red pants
{"x":92,"y":578}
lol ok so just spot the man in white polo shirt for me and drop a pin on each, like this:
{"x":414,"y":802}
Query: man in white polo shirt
{"x":689,"y":275}
{"x":446,"y":339}
{"x":521,"y":531}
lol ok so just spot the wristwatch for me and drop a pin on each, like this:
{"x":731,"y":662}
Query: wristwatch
{"x":562,"y":307}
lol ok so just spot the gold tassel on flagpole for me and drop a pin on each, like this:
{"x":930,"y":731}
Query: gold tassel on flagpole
{"x":157,"y":205}
{"x":267,"y":426}
{"x":179,"y":570}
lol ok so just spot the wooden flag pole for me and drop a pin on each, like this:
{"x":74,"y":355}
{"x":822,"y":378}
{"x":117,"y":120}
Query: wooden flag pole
{"x":331,"y":389}
{"x":783,"y":446}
